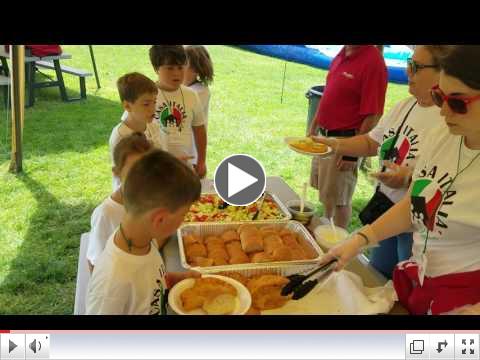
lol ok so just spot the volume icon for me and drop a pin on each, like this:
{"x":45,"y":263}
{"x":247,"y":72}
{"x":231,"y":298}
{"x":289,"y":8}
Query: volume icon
{"x":35,"y":346}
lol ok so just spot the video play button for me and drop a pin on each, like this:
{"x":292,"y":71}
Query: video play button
{"x":11,"y":346}
{"x":240,"y":180}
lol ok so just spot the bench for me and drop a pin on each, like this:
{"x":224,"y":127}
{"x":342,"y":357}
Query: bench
{"x":4,"y":83}
{"x":82,"y":74}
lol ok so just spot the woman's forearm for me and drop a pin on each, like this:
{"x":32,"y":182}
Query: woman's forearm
{"x":360,"y":145}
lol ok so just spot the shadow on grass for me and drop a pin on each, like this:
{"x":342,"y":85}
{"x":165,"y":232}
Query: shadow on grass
{"x":42,"y":277}
{"x":54,"y":126}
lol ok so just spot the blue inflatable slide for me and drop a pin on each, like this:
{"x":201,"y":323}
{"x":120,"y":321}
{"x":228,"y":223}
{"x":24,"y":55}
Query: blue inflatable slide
{"x":320,"y":56}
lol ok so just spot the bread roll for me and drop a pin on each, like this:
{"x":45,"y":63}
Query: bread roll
{"x":213,"y":240}
{"x":244,"y":227}
{"x":195,"y":250}
{"x":260,"y":257}
{"x":237,"y":255}
{"x":217,"y":253}
{"x":282,"y":253}
{"x":308,"y":249}
{"x":296,"y":251}
{"x":271,"y":242}
{"x":289,"y":240}
{"x":219,"y":261}
{"x":202,"y":261}
{"x":215,"y":244}
{"x":230,"y":235}
{"x":251,"y":241}
{"x":192,"y":239}
{"x":283,"y":232}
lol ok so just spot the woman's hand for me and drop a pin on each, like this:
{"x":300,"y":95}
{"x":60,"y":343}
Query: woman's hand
{"x":329,"y":141}
{"x":398,"y":177}
{"x":345,"y":251}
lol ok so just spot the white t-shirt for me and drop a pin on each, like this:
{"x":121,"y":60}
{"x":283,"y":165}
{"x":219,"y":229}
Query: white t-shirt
{"x":454,"y":224}
{"x":420,"y":122}
{"x":121,"y":131}
{"x":203,"y":93}
{"x":105,"y":220}
{"x":177,"y":112}
{"x":126,"y":284}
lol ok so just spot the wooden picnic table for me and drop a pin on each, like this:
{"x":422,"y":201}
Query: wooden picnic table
{"x":276,"y":185}
{"x":30,"y":69}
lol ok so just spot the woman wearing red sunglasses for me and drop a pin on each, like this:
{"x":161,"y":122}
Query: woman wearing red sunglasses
{"x":412,"y":118}
{"x":443,"y":275}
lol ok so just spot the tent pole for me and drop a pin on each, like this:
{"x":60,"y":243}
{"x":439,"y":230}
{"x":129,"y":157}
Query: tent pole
{"x":18,"y":105}
{"x":94,"y":66}
{"x":283,"y":82}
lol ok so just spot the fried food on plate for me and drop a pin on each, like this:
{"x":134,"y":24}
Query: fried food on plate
{"x":206,"y":290}
{"x":223,"y":304}
{"x":265,"y":291}
{"x":308,"y":145}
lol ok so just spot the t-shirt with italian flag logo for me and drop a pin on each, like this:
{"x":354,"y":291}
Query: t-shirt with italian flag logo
{"x":419,"y":123}
{"x":447,"y":211}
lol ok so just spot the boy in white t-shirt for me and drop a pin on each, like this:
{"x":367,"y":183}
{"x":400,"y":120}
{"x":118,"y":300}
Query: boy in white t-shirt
{"x":178,"y":108}
{"x":108,"y":215}
{"x":130,"y":276}
{"x":138,"y":95}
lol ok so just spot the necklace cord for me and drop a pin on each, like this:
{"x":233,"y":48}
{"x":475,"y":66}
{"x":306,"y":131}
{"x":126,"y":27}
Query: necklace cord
{"x":451,"y":183}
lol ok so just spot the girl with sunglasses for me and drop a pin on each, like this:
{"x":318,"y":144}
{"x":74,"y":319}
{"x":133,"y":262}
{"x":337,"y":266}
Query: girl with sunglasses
{"x":443,"y":203}
{"x":397,"y":139}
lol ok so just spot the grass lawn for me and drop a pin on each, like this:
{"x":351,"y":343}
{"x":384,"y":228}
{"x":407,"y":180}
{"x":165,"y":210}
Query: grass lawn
{"x":67,"y":171}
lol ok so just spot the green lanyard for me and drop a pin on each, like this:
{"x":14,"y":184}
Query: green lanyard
{"x":450,"y":185}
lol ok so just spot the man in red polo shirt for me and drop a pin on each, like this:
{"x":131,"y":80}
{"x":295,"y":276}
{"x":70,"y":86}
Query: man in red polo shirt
{"x":352,"y":103}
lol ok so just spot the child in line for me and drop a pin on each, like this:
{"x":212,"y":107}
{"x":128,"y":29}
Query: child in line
{"x":198,"y":77}
{"x":178,"y":108}
{"x":138,"y":95}
{"x":130,"y":275}
{"x":108,"y":215}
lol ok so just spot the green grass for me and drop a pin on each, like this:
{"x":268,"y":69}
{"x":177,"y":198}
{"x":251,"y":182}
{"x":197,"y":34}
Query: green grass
{"x":67,"y":171}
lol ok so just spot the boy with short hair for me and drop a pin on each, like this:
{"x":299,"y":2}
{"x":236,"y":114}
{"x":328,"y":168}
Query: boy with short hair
{"x":107,"y":216}
{"x":138,"y":95}
{"x":178,"y":108}
{"x":130,"y":277}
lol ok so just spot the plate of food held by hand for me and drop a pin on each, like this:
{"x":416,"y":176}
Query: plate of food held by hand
{"x":306,"y":146}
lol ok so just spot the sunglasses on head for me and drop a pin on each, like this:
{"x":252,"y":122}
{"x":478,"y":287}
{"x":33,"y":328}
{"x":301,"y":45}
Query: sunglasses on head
{"x":457,"y":103}
{"x":414,"y":66}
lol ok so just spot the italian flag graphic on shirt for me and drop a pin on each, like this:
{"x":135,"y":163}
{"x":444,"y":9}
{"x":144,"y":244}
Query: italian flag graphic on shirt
{"x":167,"y":118}
{"x":400,"y":153}
{"x":426,"y":201}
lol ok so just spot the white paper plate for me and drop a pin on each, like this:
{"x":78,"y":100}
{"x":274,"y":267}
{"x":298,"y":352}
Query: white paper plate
{"x":244,"y":299}
{"x":289,"y":139}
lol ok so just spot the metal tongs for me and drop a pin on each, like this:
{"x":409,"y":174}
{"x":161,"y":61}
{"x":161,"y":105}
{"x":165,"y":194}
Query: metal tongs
{"x":299,"y":287}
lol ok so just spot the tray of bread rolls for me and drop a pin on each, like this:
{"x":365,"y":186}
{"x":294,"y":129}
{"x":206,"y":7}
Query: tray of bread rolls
{"x":247,"y":247}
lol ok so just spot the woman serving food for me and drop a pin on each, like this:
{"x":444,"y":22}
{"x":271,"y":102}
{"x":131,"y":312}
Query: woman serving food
{"x":443,"y":275}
